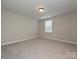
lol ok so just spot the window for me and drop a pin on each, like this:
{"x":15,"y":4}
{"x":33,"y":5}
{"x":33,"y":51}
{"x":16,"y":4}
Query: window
{"x":48,"y":26}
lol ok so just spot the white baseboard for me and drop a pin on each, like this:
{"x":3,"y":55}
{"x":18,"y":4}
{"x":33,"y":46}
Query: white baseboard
{"x":60,"y":40}
{"x":12,"y":42}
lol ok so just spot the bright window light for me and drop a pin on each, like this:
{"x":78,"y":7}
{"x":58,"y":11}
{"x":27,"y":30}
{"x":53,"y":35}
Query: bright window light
{"x":48,"y":26}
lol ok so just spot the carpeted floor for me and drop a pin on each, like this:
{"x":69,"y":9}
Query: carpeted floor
{"x":39,"y":49}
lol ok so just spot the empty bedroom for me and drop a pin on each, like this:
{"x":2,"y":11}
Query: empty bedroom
{"x":38,"y":29}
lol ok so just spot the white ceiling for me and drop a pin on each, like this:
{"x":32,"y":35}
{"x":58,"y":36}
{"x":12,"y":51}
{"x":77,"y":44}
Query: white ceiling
{"x":29,"y":7}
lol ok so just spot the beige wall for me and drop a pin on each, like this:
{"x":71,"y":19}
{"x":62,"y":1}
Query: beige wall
{"x":64,"y":28}
{"x":15,"y":27}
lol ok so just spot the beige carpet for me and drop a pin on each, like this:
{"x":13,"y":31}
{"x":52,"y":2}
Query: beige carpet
{"x":39,"y":49}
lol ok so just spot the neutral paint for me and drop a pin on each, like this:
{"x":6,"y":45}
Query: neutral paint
{"x":15,"y":27}
{"x":39,"y":49}
{"x":29,"y":7}
{"x":64,"y":28}
{"x":19,"y":23}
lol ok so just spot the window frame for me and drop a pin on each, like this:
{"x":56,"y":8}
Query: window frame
{"x":51,"y":26}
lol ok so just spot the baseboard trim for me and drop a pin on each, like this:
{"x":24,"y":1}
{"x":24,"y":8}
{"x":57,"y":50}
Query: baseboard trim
{"x":61,"y":40}
{"x":13,"y":42}
{"x":17,"y":41}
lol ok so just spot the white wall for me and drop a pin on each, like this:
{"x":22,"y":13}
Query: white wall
{"x":64,"y":29}
{"x":15,"y":27}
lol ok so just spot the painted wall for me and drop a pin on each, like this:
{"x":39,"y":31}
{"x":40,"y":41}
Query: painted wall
{"x":64,"y":28}
{"x":15,"y":27}
{"x":39,"y":49}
